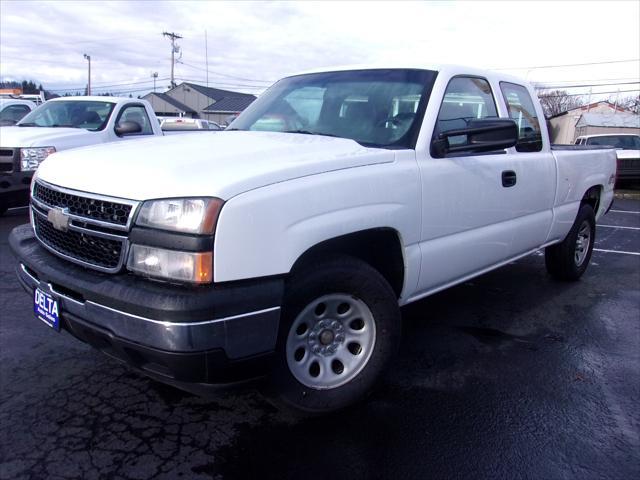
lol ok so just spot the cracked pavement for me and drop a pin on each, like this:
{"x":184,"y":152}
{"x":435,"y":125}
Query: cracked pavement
{"x":510,"y":375}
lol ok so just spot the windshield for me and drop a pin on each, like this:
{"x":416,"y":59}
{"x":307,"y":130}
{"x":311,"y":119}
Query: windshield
{"x":379,"y":108}
{"x":72,"y":113}
{"x":626,"y":142}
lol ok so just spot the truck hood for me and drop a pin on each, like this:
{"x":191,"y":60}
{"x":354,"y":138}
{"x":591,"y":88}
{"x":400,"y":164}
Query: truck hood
{"x":203,"y":164}
{"x":625,"y":154}
{"x":13,"y":137}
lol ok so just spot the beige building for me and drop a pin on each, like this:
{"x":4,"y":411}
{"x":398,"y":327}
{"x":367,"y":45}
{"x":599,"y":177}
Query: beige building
{"x":562,"y":127}
{"x":599,"y":123}
{"x":197,"y":101}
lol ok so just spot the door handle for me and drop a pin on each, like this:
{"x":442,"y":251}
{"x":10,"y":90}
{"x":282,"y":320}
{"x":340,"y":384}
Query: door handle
{"x":509,"y":178}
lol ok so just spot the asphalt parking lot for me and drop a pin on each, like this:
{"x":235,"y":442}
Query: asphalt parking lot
{"x":510,"y":375}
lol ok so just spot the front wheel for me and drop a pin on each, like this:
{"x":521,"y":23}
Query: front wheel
{"x":569,"y":259}
{"x":340,"y":326}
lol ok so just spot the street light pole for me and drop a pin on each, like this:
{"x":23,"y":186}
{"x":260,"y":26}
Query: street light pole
{"x":154,"y":75}
{"x":88,"y":58}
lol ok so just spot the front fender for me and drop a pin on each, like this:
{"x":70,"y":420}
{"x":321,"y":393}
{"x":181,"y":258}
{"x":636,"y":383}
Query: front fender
{"x":264,"y":231}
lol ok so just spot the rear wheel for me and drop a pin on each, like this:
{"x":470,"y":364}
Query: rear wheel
{"x":569,"y":259}
{"x":340,"y":326}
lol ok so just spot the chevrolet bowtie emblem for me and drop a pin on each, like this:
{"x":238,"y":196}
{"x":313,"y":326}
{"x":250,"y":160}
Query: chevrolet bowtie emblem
{"x":59,"y":219}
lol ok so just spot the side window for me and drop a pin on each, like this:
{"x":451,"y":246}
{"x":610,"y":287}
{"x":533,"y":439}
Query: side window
{"x":521,"y":110}
{"x":14,"y":112}
{"x":138,"y":114}
{"x":466,"y":99}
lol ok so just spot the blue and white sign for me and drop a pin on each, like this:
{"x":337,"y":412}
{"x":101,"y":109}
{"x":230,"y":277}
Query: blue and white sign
{"x":46,"y":309}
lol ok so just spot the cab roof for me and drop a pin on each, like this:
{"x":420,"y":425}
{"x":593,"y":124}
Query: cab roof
{"x":446,"y":69}
{"x":96,"y":98}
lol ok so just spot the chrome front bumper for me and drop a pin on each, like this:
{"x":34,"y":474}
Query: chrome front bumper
{"x":164,"y":335}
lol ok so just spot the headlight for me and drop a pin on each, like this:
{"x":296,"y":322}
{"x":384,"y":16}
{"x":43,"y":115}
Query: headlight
{"x":30,"y":158}
{"x":193,"y":267}
{"x":185,"y":215}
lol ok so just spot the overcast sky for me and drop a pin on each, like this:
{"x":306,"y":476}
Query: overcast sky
{"x":251,"y":44}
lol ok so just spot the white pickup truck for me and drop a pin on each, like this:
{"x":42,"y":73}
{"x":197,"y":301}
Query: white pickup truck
{"x":287,"y":244}
{"x":61,"y":124}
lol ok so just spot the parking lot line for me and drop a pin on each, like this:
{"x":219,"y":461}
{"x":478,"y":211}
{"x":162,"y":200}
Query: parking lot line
{"x":615,"y":226}
{"x":616,"y":251}
{"x":625,"y":211}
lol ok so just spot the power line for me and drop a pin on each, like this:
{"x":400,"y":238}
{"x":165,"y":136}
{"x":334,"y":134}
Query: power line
{"x":268,"y":82}
{"x":569,"y":65}
{"x":592,"y":93}
{"x":102,"y":87}
{"x":593,"y":80}
{"x":224,"y":85}
{"x":144,"y":82}
{"x":547,"y":87}
{"x":114,"y":92}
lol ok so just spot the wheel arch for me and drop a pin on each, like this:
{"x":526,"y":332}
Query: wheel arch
{"x":379,"y":247}
{"x":592,"y":197}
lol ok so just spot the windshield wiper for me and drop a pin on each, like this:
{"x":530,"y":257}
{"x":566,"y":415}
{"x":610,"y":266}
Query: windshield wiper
{"x":307,"y":132}
{"x":63,"y":125}
{"x":28,"y":124}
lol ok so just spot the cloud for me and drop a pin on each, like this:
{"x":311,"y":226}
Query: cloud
{"x":252,"y":43}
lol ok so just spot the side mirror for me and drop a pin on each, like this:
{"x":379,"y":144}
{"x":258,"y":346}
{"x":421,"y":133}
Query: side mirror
{"x":483,"y":135}
{"x":127,"y":128}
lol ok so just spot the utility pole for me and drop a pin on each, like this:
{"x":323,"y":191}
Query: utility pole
{"x":173,"y":36}
{"x":154,"y":75}
{"x":88,"y":58}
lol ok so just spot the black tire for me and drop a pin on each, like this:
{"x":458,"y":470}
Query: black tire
{"x":330,"y":279}
{"x":560,"y":259}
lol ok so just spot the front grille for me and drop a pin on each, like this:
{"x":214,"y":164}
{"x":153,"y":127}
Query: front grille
{"x":629,"y":163}
{"x":87,"y":248}
{"x":93,"y":229}
{"x":90,"y":208}
{"x":6,"y":152}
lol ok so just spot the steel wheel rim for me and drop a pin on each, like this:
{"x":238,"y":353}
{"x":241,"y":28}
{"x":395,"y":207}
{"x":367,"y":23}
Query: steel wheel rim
{"x":583,"y":242}
{"x":330,"y":341}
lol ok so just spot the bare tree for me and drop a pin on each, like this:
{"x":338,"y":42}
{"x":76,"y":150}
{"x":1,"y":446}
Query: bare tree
{"x":628,"y":103}
{"x":558,"y":101}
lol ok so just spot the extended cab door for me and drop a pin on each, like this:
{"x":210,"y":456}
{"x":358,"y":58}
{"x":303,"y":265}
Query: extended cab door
{"x":473,"y":206}
{"x":534,"y":164}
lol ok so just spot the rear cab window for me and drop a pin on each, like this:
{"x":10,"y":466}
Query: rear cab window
{"x":522,"y":110}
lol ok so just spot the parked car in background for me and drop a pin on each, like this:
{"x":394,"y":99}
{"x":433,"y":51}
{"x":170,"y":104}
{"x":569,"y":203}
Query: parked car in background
{"x":37,"y":98}
{"x":162,"y":118}
{"x":61,"y":124}
{"x":289,"y":252}
{"x":627,"y":147}
{"x":12,"y":110}
{"x":188,"y":125}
